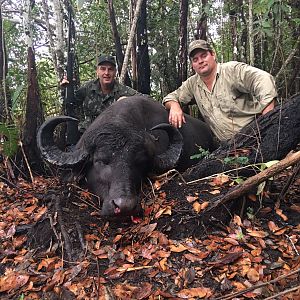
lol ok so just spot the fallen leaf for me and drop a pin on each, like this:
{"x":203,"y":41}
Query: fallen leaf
{"x":178,"y":248}
{"x":231,"y":241}
{"x":197,"y":207}
{"x":204,"y":205}
{"x":272,"y":226}
{"x":13,"y":281}
{"x":280,"y":214}
{"x":227,"y":259}
{"x":199,"y":292}
{"x":215,"y":192}
{"x":143,"y":291}
{"x":191,"y":199}
{"x":163,"y":264}
{"x":40,"y":213}
{"x":220,"y":180}
{"x":256,"y":233}
{"x":253,"y":275}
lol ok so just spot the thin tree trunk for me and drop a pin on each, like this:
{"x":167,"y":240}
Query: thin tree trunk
{"x":5,"y":101}
{"x":250,"y":34}
{"x":182,"y":64}
{"x":201,"y":30}
{"x":130,"y":40}
{"x":60,"y":37}
{"x":143,"y":61}
{"x":117,"y":39}
{"x":50,"y":35}
{"x":33,"y":116}
{"x":233,"y":25}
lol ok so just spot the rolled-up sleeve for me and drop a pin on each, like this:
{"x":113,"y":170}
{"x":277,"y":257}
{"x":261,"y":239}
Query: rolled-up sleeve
{"x":260,"y":84}
{"x":183,"y":94}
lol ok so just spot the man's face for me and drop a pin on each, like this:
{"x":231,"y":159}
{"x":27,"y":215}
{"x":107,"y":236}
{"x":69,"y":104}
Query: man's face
{"x":106,"y":73}
{"x":203,"y":62}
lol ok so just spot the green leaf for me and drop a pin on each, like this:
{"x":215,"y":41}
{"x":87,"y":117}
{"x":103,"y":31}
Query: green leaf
{"x":9,"y":137}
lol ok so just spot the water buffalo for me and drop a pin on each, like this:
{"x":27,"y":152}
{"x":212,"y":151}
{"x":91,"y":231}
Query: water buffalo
{"x":127,"y":141}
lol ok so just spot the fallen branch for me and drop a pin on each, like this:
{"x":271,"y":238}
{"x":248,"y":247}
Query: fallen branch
{"x":276,"y":296}
{"x":253,"y":181}
{"x":254,"y":287}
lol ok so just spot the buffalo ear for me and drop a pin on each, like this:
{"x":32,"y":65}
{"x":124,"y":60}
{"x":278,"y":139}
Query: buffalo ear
{"x":168,"y":159}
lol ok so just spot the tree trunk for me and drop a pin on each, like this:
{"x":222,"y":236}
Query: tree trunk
{"x":117,"y":39}
{"x":33,"y":116}
{"x":182,"y":64}
{"x":267,"y":138}
{"x":201,"y":30}
{"x":60,"y":38}
{"x":233,"y":25}
{"x":130,"y":40}
{"x":143,"y":61}
{"x":5,"y":100}
{"x":250,"y":34}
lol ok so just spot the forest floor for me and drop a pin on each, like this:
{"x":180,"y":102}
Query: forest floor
{"x":55,"y":245}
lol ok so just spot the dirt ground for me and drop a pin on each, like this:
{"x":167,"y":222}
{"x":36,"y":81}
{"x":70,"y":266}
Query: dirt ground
{"x":55,"y":245}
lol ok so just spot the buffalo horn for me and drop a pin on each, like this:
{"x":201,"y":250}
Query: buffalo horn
{"x":168,"y":159}
{"x":49,"y":150}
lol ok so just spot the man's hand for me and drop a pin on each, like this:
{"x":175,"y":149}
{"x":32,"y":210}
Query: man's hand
{"x":64,"y":81}
{"x":176,"y":115}
{"x":268,"y":108}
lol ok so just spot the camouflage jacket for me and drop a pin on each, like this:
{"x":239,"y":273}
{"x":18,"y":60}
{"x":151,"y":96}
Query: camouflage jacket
{"x":89,"y":100}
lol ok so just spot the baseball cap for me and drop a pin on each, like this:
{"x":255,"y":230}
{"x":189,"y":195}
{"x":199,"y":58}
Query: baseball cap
{"x":198,"y":44}
{"x":106,"y":58}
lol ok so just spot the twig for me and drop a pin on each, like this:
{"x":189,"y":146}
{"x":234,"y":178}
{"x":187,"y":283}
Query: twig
{"x":289,"y":182}
{"x":80,"y":235}
{"x":293,"y":245}
{"x":254,"y":180}
{"x":254,"y":287}
{"x":166,"y":174}
{"x":284,"y":292}
{"x":225,"y":172}
{"x":98,"y":271}
{"x":64,"y":233}
{"x":26,"y":160}
{"x":10,"y":184}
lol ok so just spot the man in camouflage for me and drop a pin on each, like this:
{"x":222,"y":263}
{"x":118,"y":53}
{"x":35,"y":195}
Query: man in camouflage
{"x":229,"y":95}
{"x":96,"y":95}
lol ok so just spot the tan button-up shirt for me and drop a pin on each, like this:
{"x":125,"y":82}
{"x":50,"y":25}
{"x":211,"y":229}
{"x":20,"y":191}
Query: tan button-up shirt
{"x":239,"y":93}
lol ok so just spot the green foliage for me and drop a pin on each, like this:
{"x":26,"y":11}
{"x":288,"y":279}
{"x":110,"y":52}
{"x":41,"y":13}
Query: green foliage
{"x":9,"y":137}
{"x":250,"y":213}
{"x":202,"y":153}
{"x":236,"y":160}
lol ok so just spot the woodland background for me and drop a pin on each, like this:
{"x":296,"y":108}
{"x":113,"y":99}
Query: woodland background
{"x":53,"y":242}
{"x":34,"y":43}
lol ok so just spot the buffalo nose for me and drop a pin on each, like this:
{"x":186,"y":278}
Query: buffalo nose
{"x":121,"y":206}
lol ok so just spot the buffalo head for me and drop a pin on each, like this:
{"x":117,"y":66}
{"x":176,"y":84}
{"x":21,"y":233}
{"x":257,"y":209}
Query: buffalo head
{"x":118,"y":155}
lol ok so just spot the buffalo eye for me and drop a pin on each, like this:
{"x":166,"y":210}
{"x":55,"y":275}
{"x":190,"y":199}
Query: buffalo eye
{"x":102,"y":159}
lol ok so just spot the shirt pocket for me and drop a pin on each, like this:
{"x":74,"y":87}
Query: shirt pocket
{"x":227,"y":104}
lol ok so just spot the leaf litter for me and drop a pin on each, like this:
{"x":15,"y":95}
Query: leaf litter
{"x":169,"y":253}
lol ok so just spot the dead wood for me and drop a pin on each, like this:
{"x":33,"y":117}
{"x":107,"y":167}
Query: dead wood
{"x":66,"y":243}
{"x":253,"y":181}
{"x":269,"y":137}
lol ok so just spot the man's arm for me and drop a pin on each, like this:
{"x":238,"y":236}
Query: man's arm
{"x":176,"y":115}
{"x":268,"y":107}
{"x":260,"y":84}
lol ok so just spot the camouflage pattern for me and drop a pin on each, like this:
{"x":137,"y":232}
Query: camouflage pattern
{"x":90,"y":101}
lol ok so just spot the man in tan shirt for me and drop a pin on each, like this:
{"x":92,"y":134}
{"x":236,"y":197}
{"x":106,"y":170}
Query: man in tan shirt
{"x":229,"y":95}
